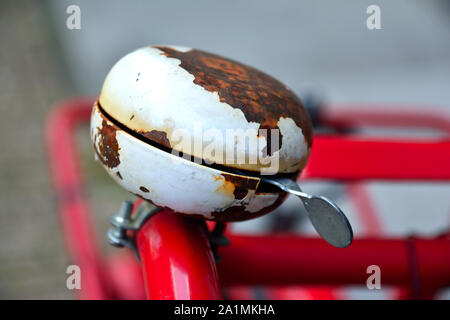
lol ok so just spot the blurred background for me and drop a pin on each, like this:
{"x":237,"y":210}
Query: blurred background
{"x":318,"y":48}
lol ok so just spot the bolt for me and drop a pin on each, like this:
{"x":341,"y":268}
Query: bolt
{"x":124,"y":217}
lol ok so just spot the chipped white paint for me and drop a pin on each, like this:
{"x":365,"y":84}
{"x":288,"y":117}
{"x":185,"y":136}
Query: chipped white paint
{"x":292,"y":150}
{"x":146,"y":90}
{"x":172,"y":182}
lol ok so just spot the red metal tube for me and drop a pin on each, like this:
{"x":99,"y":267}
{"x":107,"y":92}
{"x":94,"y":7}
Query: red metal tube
{"x":73,"y":206}
{"x":282,"y":260}
{"x":177,"y":260}
{"x":397,"y":116}
{"x":354,"y":158}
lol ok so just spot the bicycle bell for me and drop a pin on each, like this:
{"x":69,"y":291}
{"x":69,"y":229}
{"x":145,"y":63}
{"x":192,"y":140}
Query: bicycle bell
{"x":155,"y":97}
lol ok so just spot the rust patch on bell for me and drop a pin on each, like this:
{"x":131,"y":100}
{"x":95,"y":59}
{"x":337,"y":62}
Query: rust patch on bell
{"x":157,"y":136}
{"x":143,"y":189}
{"x":108,"y":148}
{"x":226,"y":187}
{"x":267,"y":133}
{"x":236,"y":185}
{"x":238,"y":213}
{"x":261,"y":98}
{"x":241,"y":184}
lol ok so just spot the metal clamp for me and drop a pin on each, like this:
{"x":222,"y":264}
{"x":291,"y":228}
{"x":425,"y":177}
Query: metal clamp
{"x":124,"y":221}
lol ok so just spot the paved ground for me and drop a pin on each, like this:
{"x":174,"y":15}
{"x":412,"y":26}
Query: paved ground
{"x":323,"y":47}
{"x":30,"y":79}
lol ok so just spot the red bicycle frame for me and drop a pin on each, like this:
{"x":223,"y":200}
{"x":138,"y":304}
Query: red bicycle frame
{"x":176,"y":258}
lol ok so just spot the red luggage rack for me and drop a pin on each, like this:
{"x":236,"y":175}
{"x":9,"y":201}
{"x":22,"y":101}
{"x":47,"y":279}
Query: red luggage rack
{"x":176,"y":257}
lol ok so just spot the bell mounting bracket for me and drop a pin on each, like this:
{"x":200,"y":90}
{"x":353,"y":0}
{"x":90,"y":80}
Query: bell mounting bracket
{"x":126,"y":221}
